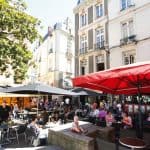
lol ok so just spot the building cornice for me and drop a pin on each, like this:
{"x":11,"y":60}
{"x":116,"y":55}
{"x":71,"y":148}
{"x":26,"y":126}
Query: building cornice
{"x":83,"y":4}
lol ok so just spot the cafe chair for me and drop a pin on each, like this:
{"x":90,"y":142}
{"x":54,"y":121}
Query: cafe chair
{"x":21,"y":130}
{"x":4,"y":138}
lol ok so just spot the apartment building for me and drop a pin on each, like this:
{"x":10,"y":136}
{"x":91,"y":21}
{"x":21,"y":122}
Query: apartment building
{"x":91,"y":36}
{"x":129,"y":31}
{"x":54,"y":57}
{"x":111,"y":33}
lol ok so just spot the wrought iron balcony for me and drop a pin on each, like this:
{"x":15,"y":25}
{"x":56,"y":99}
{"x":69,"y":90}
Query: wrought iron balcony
{"x":99,"y":45}
{"x":83,"y":50}
{"x":128,"y":40}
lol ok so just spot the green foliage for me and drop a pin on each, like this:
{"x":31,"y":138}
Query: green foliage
{"x":17,"y":29}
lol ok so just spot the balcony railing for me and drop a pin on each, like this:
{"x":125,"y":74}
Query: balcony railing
{"x":128,"y":40}
{"x":99,"y":45}
{"x":129,"y":6}
{"x":83,"y":50}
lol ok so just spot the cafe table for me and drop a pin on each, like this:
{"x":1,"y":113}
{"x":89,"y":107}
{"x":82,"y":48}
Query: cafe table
{"x":133,"y":143}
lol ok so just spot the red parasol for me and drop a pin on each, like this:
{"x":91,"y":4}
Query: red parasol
{"x":129,"y":80}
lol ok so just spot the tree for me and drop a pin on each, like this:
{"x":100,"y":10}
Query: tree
{"x":17,"y":30}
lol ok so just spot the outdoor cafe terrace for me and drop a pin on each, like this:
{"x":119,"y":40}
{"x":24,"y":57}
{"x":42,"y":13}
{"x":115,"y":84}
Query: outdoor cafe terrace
{"x":54,"y":121}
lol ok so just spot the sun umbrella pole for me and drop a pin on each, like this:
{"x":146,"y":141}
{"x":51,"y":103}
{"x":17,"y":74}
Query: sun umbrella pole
{"x":140,"y":127}
{"x":37,"y":106}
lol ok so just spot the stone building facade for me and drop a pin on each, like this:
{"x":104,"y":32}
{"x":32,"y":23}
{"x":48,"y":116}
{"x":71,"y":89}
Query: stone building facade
{"x":91,"y":36}
{"x":55,"y":56}
{"x":110,"y":33}
{"x":129,"y":31}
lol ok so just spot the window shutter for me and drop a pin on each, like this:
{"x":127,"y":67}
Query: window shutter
{"x":91,"y":69}
{"x":90,"y":39}
{"x":90,"y":14}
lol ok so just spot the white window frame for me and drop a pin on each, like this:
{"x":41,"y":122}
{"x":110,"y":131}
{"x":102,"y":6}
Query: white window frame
{"x":83,"y":43}
{"x":99,"y":59}
{"x":100,"y":11}
{"x":131,"y":56}
{"x":129,"y":29}
{"x":83,"y":19}
{"x":99,"y":37}
{"x":127,"y":4}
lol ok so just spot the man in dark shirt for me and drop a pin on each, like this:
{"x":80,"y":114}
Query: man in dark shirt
{"x":4,"y":112}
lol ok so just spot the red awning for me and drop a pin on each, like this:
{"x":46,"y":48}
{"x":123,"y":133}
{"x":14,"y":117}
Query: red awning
{"x":129,"y":79}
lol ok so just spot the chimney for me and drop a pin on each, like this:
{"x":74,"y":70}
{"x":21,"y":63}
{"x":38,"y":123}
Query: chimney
{"x":50,"y":30}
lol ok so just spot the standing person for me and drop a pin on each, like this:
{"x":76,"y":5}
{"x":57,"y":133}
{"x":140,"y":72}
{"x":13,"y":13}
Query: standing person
{"x":4,"y":111}
{"x":15,"y":111}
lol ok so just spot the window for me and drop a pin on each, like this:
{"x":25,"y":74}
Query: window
{"x":99,"y":10}
{"x":126,"y":4}
{"x":82,"y":70}
{"x":131,"y":27}
{"x":129,"y":58}
{"x":83,"y":19}
{"x":69,"y":44}
{"x":99,"y":38}
{"x":127,"y":29}
{"x":83,"y":44}
{"x":100,"y":63}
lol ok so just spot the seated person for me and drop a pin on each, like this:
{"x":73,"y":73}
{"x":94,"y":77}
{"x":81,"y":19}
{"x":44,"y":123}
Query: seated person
{"x":127,"y":121}
{"x":34,"y":126}
{"x":38,"y":133}
{"x":75,"y":126}
{"x":102,"y":114}
{"x":148,"y":118}
{"x":147,"y":121}
{"x":57,"y":119}
{"x":43,"y":119}
{"x":109,"y":119}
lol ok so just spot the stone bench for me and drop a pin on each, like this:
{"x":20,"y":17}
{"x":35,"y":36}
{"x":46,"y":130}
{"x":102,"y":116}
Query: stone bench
{"x":73,"y":141}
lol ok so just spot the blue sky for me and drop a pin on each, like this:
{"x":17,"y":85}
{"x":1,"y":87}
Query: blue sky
{"x":51,"y":11}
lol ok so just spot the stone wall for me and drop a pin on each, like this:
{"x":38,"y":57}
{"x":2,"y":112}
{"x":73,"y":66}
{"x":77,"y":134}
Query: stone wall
{"x":73,"y":141}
